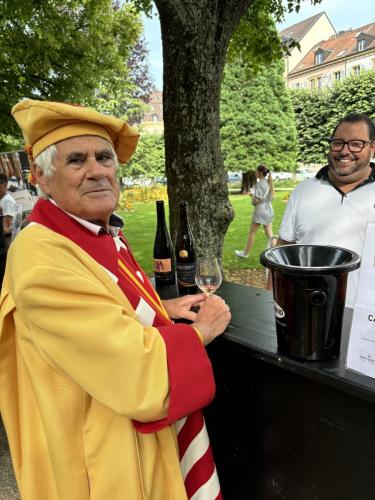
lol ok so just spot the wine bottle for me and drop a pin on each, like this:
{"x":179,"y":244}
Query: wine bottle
{"x":185,"y":255}
{"x":164,"y":265}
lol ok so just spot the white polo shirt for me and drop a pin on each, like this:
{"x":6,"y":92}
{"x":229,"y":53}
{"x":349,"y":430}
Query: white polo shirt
{"x":319,"y":214}
{"x":8,"y":205}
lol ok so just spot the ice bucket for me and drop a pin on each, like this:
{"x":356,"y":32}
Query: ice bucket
{"x":309,"y":287}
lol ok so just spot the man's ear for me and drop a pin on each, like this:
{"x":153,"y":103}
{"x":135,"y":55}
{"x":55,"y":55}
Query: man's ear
{"x":40,"y":178}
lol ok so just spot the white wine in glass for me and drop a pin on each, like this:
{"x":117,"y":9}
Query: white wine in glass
{"x":208,"y":275}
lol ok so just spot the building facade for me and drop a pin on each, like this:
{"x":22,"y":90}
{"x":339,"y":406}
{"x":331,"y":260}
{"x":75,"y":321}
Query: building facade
{"x":307,"y":33}
{"x":331,"y":60}
{"x":153,"y":120}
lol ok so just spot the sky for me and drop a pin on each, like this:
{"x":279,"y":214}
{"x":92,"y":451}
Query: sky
{"x":343,"y":14}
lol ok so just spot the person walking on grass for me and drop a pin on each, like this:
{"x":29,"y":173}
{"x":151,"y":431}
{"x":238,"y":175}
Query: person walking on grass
{"x":263,"y":211}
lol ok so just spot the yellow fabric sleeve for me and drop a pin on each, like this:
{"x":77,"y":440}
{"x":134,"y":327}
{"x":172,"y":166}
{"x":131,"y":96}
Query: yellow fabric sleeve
{"x":199,"y":334}
{"x":79,"y":325}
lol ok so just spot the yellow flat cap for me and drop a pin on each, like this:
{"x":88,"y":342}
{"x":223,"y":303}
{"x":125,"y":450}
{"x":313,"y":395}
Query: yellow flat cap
{"x":44,"y":123}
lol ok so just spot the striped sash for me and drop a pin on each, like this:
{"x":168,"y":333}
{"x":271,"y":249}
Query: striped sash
{"x":197,"y":462}
{"x":196,"y":458}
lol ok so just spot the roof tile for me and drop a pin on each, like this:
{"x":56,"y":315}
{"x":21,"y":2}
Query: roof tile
{"x":298,"y":30}
{"x":340,"y":45}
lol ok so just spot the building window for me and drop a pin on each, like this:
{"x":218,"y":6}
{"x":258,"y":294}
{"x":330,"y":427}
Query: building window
{"x":297,"y":86}
{"x":337,"y":76}
{"x":361,"y":44}
{"x":312,"y":84}
{"x":319,"y":81}
{"x":319,"y":58}
{"x":356,"y":70}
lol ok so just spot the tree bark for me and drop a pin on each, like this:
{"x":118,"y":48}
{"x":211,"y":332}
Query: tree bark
{"x":195,"y":37}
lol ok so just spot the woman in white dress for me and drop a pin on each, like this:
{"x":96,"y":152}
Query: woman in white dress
{"x":263,"y":211}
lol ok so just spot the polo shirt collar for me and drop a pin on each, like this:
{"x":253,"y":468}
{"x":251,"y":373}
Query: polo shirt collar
{"x":323,"y":174}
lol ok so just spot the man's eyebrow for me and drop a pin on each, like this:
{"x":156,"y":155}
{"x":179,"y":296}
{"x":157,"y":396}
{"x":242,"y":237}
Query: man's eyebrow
{"x":79,"y":155}
{"x":75,"y":155}
{"x":107,"y":151}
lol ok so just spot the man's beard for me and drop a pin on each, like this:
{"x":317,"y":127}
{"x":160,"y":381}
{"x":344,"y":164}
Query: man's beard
{"x":345,"y":171}
{"x":339,"y":171}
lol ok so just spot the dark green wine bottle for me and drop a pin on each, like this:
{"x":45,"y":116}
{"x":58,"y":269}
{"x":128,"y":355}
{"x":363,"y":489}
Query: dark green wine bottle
{"x":164,"y":263}
{"x":185,"y":254}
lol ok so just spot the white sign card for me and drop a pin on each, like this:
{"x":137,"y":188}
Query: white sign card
{"x":361,"y":348}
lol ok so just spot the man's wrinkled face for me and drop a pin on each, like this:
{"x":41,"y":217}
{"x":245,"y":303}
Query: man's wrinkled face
{"x":345,"y":165}
{"x":84,"y":182}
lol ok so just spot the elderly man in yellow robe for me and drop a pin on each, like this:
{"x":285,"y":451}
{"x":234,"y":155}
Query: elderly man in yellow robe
{"x":100,"y":392}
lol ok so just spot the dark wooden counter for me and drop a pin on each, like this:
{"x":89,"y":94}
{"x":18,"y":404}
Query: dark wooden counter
{"x":285,"y":429}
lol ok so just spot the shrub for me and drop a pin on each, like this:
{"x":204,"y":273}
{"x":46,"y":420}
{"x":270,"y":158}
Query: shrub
{"x":136,"y":195}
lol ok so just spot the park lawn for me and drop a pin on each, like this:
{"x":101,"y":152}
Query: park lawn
{"x":140,"y":228}
{"x":237,"y":233}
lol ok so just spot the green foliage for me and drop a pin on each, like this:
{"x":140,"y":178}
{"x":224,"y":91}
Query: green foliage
{"x":128,"y":101}
{"x":248,"y":41}
{"x":312,"y":116}
{"x":10,"y":143}
{"x":256,"y":42}
{"x":140,"y":228}
{"x":354,"y":94}
{"x":143,"y":6}
{"x":119,"y":101}
{"x":148,"y":160}
{"x":63,"y":50}
{"x":257,"y":123}
{"x":317,"y":113}
{"x":129,"y":198}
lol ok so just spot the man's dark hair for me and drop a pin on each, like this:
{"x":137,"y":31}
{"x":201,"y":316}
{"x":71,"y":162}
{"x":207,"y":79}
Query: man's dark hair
{"x":3,"y":178}
{"x":356,"y":118}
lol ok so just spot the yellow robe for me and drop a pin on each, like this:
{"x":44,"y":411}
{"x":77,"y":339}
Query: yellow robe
{"x":68,"y":417}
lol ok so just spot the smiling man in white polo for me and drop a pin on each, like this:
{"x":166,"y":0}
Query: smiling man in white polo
{"x":333,"y":207}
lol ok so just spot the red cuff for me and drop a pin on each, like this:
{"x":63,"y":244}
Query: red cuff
{"x":191,"y":379}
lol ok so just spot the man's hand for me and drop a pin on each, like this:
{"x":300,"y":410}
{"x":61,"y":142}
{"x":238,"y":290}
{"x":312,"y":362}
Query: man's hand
{"x":181,"y":307}
{"x":212,"y":318}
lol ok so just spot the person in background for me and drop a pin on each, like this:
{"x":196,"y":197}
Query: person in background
{"x":333,"y":207}
{"x":263,"y":210}
{"x":7,"y":208}
{"x":100,"y":391}
{"x":13,"y":184}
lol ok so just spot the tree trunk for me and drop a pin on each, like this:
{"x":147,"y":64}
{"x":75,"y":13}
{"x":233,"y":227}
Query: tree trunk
{"x":195,"y":36}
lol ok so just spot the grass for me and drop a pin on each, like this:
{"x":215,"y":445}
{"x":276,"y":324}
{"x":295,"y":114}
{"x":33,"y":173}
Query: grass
{"x":140,"y":227}
{"x":237,"y":233}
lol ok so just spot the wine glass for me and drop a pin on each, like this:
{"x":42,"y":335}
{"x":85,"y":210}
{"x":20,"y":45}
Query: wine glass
{"x":208,"y":275}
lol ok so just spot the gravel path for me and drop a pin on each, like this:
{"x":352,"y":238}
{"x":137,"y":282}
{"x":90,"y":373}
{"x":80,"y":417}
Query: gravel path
{"x":8,"y":487}
{"x":251,"y":277}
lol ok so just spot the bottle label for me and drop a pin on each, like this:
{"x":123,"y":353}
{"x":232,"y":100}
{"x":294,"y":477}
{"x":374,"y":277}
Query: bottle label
{"x":162,"y":265}
{"x":186,"y":274}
